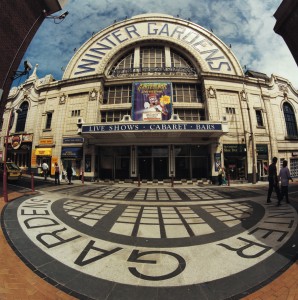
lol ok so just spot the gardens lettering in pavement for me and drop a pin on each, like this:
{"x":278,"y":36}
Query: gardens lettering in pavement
{"x":151,"y":265}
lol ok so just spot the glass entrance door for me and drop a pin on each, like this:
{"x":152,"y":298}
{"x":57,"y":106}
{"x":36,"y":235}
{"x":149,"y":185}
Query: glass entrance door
{"x":145,"y":168}
{"x":153,"y":162}
{"x":160,"y":168}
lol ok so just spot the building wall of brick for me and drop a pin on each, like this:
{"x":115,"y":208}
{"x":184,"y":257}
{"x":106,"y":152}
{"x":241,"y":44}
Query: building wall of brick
{"x":287,"y":23}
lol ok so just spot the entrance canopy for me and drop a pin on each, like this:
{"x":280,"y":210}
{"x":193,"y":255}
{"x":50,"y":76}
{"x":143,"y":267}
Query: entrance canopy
{"x":160,"y":133}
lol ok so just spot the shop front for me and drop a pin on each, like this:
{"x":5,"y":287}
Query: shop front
{"x":42,"y":155}
{"x":19,"y":150}
{"x":262,"y":162}
{"x":72,"y":156}
{"x":235,"y":161}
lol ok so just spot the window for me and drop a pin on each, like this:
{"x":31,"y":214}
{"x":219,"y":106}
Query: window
{"x":123,"y":65}
{"x":294,"y":167}
{"x":152,"y":57}
{"x":76,"y":113}
{"x":152,"y":60}
{"x":49,"y":120}
{"x":180,"y":65}
{"x":113,"y":116}
{"x":191,"y":114}
{"x":187,"y":93}
{"x":117,"y":94}
{"x":178,"y":61}
{"x":290,"y":121}
{"x":259,"y":118}
{"x":22,"y":116}
{"x":230,"y":110}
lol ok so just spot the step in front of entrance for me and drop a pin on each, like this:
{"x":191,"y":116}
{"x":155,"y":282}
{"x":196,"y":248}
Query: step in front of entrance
{"x":165,"y":182}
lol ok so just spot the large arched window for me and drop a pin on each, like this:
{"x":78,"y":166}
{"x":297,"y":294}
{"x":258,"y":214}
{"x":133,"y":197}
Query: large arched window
{"x":290,"y":121}
{"x":22,"y":116}
{"x":153,"y":60}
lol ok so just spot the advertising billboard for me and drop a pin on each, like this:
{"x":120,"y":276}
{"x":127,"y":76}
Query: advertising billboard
{"x":152,"y":101}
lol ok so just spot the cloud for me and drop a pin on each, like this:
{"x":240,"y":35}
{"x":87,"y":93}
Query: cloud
{"x":247,"y":25}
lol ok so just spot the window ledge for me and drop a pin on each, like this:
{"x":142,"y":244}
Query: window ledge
{"x":291,"y":137}
{"x":47,"y":130}
{"x":261,"y":127}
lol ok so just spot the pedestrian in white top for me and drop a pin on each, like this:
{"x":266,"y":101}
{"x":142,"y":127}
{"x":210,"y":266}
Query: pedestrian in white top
{"x":284,"y":175}
{"x":45,"y":169}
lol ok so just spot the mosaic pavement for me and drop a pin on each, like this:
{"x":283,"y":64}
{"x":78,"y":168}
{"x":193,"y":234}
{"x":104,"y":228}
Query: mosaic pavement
{"x":146,"y":243}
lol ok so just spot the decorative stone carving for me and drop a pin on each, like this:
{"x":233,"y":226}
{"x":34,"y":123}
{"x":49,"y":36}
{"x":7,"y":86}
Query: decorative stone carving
{"x":62,"y":99}
{"x":100,"y":94}
{"x":93,"y":95}
{"x":283,"y":88}
{"x":211,"y":92}
{"x":26,"y":92}
{"x":243,"y":95}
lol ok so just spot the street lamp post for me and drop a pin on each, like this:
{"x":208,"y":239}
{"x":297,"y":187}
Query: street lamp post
{"x":5,"y":195}
{"x":254,"y":175}
{"x":252,"y":137}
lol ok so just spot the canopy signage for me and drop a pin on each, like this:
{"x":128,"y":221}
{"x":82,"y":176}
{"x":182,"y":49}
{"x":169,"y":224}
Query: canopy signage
{"x":72,"y":140}
{"x":45,"y":141}
{"x":43,"y":152}
{"x":153,"y":127}
{"x":262,"y":149}
{"x":72,"y":152}
{"x":234,"y":149}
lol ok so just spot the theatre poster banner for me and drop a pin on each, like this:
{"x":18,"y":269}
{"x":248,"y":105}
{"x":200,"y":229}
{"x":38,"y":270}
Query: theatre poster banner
{"x":152,"y":101}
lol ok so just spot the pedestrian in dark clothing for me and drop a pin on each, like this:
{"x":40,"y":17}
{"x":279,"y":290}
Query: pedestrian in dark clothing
{"x":273,"y":181}
{"x":69,"y":173}
{"x":284,"y":175}
{"x":219,"y":176}
{"x":57,"y":173}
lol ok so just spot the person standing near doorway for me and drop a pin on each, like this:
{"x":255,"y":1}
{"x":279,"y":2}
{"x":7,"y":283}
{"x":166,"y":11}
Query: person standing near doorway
{"x":57,"y":173}
{"x":69,"y":173}
{"x":284,"y":175}
{"x":273,"y":181}
{"x":45,"y":169}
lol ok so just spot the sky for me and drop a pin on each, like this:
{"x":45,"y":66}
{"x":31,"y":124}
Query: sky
{"x":246,"y":25}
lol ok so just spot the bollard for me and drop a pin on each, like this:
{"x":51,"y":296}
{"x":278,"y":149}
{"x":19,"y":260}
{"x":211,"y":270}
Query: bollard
{"x":228,"y":179}
{"x":139,"y":180}
{"x":82,"y":178}
{"x":32,"y":182}
{"x":172,"y":181}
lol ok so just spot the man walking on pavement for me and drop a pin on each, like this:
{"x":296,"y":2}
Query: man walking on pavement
{"x":285,"y":176}
{"x":45,"y":169}
{"x":273,"y":181}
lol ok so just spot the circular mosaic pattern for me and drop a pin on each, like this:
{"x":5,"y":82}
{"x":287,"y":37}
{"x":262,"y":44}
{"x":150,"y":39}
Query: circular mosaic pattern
{"x":161,"y":247}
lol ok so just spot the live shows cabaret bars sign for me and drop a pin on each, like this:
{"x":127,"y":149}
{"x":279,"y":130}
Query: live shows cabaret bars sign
{"x":153,"y":127}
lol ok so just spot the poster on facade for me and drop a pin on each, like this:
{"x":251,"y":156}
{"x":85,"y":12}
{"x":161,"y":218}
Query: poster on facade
{"x":152,"y":101}
{"x":217,"y":161}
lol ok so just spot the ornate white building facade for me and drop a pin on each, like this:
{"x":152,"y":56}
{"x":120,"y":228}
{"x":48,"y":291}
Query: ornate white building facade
{"x":154,"y":98}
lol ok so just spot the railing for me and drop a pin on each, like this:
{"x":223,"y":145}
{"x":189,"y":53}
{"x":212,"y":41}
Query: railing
{"x":147,"y":70}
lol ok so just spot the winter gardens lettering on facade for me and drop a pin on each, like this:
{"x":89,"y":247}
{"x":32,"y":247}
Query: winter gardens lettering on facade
{"x":211,"y":54}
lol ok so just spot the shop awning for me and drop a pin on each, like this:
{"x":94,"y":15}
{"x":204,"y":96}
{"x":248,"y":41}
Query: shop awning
{"x":43,"y":152}
{"x":72,"y":152}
